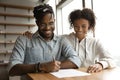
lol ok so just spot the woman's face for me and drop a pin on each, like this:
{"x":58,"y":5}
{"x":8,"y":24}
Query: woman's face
{"x":46,"y":26}
{"x":81,"y":27}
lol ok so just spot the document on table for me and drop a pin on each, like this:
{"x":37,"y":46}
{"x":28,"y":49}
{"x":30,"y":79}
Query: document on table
{"x":69,"y":73}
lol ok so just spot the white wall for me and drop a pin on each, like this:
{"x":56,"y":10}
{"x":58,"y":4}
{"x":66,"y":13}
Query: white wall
{"x":108,"y":25}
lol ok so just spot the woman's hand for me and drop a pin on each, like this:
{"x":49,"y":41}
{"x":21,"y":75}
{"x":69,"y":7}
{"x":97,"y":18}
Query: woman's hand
{"x":95,"y":68}
{"x":28,"y":34}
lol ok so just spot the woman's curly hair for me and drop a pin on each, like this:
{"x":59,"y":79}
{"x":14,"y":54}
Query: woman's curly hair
{"x":86,"y":13}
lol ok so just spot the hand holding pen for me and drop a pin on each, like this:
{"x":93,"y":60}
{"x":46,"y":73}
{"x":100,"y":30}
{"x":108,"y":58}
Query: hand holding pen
{"x":56,"y":64}
{"x":51,"y":66}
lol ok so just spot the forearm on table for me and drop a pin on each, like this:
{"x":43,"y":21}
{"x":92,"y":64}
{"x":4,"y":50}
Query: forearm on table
{"x":20,"y":69}
{"x":67,"y":64}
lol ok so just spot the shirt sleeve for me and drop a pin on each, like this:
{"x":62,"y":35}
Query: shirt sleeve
{"x":69,"y":52}
{"x":18,"y":53}
{"x":105,"y":58}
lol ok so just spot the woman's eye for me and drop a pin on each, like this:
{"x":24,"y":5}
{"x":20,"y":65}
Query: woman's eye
{"x":83,"y":26}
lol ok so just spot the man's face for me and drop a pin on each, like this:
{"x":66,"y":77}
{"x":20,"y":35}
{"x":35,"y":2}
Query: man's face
{"x":46,"y":26}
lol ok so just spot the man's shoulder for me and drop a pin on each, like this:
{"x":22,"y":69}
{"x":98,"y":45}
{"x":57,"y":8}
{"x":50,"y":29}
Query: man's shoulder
{"x":22,"y":39}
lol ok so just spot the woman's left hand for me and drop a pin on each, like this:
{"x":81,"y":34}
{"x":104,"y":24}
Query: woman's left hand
{"x":28,"y":34}
{"x":95,"y":68}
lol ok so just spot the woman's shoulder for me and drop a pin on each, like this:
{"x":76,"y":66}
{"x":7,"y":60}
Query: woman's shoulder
{"x":92,"y":39}
{"x":69,"y":36}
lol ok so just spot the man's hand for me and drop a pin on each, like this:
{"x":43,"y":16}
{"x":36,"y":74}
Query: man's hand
{"x":51,"y":66}
{"x":95,"y":68}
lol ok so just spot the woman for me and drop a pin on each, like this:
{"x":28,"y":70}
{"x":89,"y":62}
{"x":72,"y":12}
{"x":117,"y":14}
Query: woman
{"x":90,"y":51}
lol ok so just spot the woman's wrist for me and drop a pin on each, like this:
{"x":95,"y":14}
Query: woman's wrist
{"x":100,"y":64}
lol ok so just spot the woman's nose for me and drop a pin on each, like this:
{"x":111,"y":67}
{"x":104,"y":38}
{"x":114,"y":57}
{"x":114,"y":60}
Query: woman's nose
{"x":79,"y":28}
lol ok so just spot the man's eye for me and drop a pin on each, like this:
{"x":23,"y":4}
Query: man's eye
{"x":43,"y":25}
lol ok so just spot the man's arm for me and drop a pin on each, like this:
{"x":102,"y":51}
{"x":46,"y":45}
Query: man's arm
{"x":67,"y":64}
{"x":20,"y":69}
{"x":72,"y":59}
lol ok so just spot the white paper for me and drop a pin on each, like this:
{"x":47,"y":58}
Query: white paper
{"x":69,"y":73}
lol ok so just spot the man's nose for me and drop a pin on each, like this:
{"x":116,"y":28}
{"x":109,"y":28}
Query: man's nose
{"x":47,"y":26}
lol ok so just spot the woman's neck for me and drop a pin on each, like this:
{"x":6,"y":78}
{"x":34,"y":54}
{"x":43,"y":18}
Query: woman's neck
{"x":80,"y":37}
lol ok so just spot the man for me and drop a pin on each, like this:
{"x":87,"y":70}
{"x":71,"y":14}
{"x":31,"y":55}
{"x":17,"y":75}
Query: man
{"x":44,"y":52}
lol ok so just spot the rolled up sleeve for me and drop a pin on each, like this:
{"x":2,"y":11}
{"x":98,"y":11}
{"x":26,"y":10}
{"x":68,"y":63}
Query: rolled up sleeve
{"x":18,"y":53}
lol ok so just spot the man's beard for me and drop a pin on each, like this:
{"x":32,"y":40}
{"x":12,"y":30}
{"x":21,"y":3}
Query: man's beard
{"x":50,"y":36}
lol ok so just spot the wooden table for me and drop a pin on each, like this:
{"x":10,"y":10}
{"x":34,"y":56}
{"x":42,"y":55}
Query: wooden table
{"x":108,"y":74}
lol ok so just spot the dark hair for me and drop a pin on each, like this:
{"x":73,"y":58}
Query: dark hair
{"x":41,"y":10}
{"x":86,"y":13}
